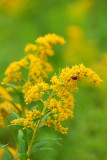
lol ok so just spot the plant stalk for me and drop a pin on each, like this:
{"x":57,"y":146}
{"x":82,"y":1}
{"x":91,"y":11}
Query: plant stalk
{"x":33,"y":137}
{"x":34,"y":134}
{"x":37,"y":127}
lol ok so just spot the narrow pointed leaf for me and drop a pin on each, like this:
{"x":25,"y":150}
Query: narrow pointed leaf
{"x":22,"y":145}
{"x":13,"y":114}
{"x":26,"y":136}
{"x":17,"y":155}
{"x":20,"y":94}
{"x":3,"y":146}
{"x":45,"y":117}
{"x":8,"y":154}
{"x":42,"y":144}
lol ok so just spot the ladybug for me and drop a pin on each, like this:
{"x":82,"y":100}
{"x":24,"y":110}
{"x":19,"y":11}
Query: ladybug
{"x":74,"y":77}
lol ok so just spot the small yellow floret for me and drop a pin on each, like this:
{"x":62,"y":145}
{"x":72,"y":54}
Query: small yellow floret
{"x":30,"y":48}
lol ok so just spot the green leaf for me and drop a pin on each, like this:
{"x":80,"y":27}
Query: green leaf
{"x":49,"y":149}
{"x":3,"y":146}
{"x":42,"y":144}
{"x":11,"y":85}
{"x":21,"y":98}
{"x":17,"y":155}
{"x":22,"y":156}
{"x":22,"y":145}
{"x":53,"y":139}
{"x":26,"y":136}
{"x":8,"y":154}
{"x":19,"y":93}
{"x":13,"y":115}
{"x":34,"y":107}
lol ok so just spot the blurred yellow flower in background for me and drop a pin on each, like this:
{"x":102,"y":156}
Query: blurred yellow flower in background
{"x":79,"y":50}
{"x":79,"y":9}
{"x":12,"y":7}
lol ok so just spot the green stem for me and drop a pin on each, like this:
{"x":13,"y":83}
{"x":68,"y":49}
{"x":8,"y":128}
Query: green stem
{"x":35,"y":131}
{"x":37,"y":126}
{"x":33,"y":137}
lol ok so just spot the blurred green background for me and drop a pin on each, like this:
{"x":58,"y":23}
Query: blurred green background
{"x":83,"y":24}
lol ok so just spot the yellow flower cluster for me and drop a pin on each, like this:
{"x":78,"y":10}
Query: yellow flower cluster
{"x":36,"y":92}
{"x":80,"y":71}
{"x":57,"y":97}
{"x":50,"y":39}
{"x":13,"y":72}
{"x":44,"y":45}
{"x":19,"y":121}
{"x":30,"y":117}
{"x":60,"y":111}
{"x":35,"y":63}
{"x":28,"y":121}
{"x":62,"y":105}
{"x":31,"y":48}
{"x":38,"y":69}
{"x":57,"y":125}
{"x":5,"y":105}
{"x":60,"y":100}
{"x":27,"y":86}
{"x":35,"y":67}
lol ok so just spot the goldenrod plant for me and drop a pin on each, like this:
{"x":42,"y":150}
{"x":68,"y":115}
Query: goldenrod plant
{"x":41,"y":103}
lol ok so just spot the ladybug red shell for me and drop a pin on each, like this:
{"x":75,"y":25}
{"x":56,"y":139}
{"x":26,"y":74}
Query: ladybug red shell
{"x":74,"y":77}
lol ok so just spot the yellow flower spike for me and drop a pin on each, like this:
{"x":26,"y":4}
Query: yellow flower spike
{"x":28,"y":120}
{"x":35,"y":64}
{"x":61,"y":106}
{"x":60,"y":102}
{"x":46,"y":44}
{"x":18,"y":121}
